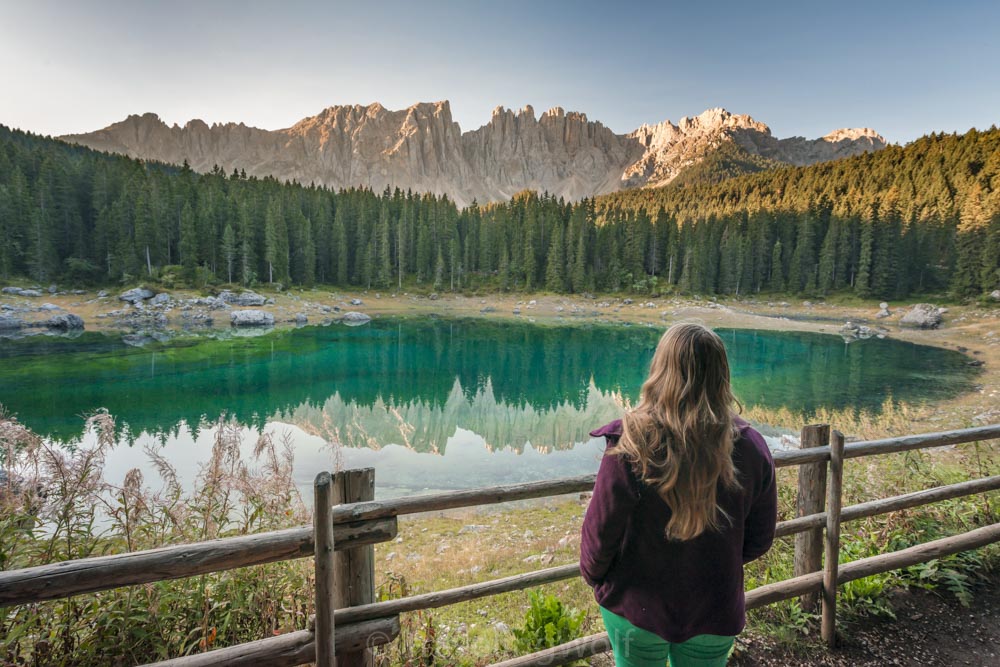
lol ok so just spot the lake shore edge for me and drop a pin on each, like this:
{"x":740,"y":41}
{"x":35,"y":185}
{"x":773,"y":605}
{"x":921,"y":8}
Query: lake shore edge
{"x":973,"y":330}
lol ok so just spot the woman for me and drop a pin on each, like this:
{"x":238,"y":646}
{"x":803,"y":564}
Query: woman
{"x":685,"y":495}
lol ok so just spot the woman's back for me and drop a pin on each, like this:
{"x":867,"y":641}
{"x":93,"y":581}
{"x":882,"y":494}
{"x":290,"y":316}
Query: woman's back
{"x":676,"y":589}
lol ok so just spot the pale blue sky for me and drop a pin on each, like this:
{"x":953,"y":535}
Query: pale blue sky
{"x":805,"y":68}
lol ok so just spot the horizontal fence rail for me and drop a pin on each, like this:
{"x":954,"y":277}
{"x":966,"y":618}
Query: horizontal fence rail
{"x":490,"y":495}
{"x":89,"y":575}
{"x":904,"y":443}
{"x":891,"y":504}
{"x":361,"y":524}
{"x":293,"y":648}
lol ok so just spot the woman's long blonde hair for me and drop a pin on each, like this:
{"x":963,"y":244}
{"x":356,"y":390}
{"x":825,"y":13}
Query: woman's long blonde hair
{"x":680,"y":436}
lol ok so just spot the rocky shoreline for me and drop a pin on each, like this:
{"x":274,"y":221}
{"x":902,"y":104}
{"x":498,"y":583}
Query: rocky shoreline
{"x":144,"y":315}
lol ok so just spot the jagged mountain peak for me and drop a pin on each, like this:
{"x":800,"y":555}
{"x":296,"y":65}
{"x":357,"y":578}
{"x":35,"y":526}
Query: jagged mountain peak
{"x":853,"y":134}
{"x":422,"y":148}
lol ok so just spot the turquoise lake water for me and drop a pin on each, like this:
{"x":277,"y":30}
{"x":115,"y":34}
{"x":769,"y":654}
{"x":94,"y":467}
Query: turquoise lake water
{"x":512,"y":400}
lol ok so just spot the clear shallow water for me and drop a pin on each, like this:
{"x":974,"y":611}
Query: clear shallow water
{"x":431,"y":403}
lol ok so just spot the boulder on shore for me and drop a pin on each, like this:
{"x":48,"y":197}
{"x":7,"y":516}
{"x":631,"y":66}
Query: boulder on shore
{"x":851,"y":331}
{"x":244,"y":298}
{"x":924,"y":316}
{"x":883,"y":311}
{"x":995,"y":295}
{"x":10,"y":323}
{"x":17,"y":291}
{"x":251,"y":318}
{"x":161,"y":299}
{"x":136,"y":295}
{"x":354,"y":318}
{"x":64,"y":322}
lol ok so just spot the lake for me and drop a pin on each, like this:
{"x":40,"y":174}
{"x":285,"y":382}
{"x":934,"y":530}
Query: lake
{"x":431,"y":403}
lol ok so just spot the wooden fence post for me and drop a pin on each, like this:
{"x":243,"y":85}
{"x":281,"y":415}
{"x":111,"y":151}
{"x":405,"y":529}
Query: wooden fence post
{"x":834,"y":500}
{"x":811,"y":496}
{"x":355,"y":568}
{"x":325,"y":572}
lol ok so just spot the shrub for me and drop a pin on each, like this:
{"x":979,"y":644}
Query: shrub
{"x":547,"y":624}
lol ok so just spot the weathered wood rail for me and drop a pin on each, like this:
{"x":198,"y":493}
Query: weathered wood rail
{"x":342,"y":537}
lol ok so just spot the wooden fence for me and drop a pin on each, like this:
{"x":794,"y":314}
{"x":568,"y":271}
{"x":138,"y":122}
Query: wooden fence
{"x":348,"y":521}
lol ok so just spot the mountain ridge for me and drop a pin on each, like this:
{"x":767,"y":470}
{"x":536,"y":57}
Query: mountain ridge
{"x":424,"y":149}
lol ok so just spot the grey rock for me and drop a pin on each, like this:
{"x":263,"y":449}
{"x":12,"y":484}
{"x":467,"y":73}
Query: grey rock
{"x":17,"y":291}
{"x":924,"y":316}
{"x":851,"y":331}
{"x":53,"y":289}
{"x":244,"y":298}
{"x":103,"y":294}
{"x":139,"y":319}
{"x":434,"y":296}
{"x":627,"y":302}
{"x":10,"y":323}
{"x":357,"y":302}
{"x":883,"y":311}
{"x":251,"y":318}
{"x":995,"y":295}
{"x":136,"y":295}
{"x":353,"y":318}
{"x":160,"y":299}
{"x":212,"y":302}
{"x":64,"y":322}
{"x":49,"y":307}
{"x":473,"y":528}
{"x":199,"y":319}
{"x":517,"y":311}
{"x":488,"y":309}
{"x":301,"y":318}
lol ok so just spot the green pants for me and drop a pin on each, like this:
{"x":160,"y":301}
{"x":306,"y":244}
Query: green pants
{"x":635,"y":647}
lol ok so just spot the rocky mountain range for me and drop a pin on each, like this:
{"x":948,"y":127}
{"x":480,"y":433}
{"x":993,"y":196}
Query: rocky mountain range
{"x":422,"y":148}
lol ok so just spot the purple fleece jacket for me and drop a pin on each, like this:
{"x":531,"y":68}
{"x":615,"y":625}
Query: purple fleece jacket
{"x":675,"y":589}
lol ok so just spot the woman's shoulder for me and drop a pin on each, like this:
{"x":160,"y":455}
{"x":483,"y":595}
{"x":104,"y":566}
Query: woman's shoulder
{"x":750,"y":443}
{"x":612,"y":429}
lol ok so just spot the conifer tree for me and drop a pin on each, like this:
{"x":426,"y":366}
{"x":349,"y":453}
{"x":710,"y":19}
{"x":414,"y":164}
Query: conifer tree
{"x":969,"y":243}
{"x":188,"y":241}
{"x":555,"y":270}
{"x":229,"y":250}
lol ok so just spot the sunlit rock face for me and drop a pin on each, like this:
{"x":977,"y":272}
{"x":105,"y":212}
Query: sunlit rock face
{"x":423,"y":149}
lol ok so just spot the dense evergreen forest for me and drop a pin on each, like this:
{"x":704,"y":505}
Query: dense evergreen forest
{"x":906,"y":220}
